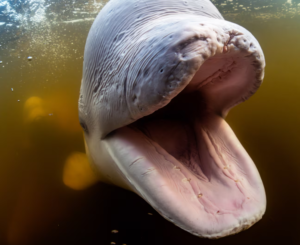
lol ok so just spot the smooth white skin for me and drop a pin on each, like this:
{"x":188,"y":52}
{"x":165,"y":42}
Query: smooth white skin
{"x":140,"y":55}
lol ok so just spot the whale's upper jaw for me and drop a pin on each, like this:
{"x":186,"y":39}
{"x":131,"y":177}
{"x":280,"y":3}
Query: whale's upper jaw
{"x":146,"y":71}
{"x":154,"y":93}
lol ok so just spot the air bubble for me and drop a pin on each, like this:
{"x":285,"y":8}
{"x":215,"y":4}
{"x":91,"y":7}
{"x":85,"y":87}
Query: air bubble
{"x":12,"y":89}
{"x":29,"y":58}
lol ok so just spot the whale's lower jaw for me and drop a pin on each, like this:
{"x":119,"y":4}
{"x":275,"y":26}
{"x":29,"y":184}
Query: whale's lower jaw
{"x":243,"y":223}
{"x":194,"y":172}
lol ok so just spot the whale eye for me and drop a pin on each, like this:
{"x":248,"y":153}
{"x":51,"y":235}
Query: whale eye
{"x":84,"y":126}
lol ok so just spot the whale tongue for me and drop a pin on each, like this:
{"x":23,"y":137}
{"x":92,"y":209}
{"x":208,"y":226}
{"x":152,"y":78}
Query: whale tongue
{"x":194,"y":173}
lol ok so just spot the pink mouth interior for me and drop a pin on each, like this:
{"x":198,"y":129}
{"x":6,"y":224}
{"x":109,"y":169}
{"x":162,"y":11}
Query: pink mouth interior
{"x":205,"y":153}
{"x":185,"y":160}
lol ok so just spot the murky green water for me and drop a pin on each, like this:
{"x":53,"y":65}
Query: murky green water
{"x":40,"y":132}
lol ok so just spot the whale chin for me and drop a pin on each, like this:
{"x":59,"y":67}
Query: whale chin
{"x":187,"y":163}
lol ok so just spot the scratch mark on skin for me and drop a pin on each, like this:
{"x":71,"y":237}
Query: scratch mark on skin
{"x":149,"y":171}
{"x":135,"y":161}
{"x":223,"y":164}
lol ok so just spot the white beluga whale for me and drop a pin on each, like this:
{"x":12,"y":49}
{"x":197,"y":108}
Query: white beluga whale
{"x":159,"y":77}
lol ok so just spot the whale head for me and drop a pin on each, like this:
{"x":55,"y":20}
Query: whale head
{"x":159,"y":77}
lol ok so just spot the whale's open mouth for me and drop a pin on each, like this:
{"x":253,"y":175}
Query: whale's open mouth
{"x":185,"y":160}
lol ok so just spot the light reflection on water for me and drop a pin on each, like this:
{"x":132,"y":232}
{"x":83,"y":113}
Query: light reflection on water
{"x":42,"y":143}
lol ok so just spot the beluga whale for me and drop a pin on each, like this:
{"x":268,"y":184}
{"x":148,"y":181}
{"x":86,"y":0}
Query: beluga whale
{"x":159,"y":77}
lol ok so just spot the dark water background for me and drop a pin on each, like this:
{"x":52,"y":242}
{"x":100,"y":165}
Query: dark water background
{"x":40,"y":131}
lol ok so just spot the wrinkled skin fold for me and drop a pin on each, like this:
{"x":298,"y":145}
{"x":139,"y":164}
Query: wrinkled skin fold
{"x":159,"y":77}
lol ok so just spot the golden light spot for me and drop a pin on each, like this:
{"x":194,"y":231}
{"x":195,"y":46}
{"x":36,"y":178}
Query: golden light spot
{"x":200,"y":195}
{"x":77,"y":173}
{"x":114,"y":231}
{"x":33,"y":102}
{"x":34,"y":109}
{"x":65,"y":112}
{"x":61,"y":110}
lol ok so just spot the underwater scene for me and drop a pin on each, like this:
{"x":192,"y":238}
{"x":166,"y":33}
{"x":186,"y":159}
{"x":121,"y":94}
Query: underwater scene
{"x":50,"y":193}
